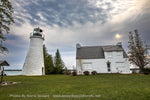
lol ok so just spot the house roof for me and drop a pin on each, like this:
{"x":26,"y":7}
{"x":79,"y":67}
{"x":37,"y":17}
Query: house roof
{"x":97,"y":52}
{"x":90,"y":52}
{"x":4,"y":63}
{"x":111,"y":48}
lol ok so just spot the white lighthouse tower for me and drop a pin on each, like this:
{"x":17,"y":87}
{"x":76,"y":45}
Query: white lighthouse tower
{"x":34,"y":62}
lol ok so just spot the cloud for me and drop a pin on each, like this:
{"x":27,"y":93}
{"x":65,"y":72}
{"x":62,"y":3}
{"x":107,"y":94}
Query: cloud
{"x":67,"y":22}
{"x":60,"y":12}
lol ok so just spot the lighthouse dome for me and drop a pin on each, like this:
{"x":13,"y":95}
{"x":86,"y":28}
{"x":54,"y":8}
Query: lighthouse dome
{"x":37,"y":32}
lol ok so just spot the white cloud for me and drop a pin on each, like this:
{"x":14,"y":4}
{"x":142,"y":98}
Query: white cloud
{"x":41,"y":17}
{"x":65,"y":38}
{"x":125,"y":9}
{"x":23,"y":31}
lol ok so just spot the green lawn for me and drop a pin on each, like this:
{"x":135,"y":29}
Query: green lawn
{"x":93,"y":87}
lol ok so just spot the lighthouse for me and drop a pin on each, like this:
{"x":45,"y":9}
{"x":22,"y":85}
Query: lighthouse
{"x":34,"y":62}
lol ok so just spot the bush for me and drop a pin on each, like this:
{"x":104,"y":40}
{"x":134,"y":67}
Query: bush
{"x":146,"y":71}
{"x":74,"y":73}
{"x":68,"y":72}
{"x":86,"y":72}
{"x":93,"y":72}
{"x":134,"y":72}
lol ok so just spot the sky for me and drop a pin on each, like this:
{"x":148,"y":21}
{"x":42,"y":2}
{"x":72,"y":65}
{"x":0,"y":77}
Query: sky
{"x":68,"y":22}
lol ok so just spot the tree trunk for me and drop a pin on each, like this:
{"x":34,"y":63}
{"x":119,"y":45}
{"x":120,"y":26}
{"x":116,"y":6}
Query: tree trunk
{"x":141,"y":70}
{"x":2,"y":74}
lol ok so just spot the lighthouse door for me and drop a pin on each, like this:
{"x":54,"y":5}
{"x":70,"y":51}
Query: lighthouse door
{"x":43,"y":71}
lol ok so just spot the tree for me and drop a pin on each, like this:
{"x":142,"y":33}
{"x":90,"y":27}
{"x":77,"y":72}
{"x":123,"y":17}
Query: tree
{"x":48,"y":62}
{"x":3,"y":49}
{"x":59,"y":64}
{"x":6,"y":19}
{"x":138,"y":52}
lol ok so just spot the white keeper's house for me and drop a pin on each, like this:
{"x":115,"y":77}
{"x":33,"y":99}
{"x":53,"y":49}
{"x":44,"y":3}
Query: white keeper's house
{"x":102,"y":59}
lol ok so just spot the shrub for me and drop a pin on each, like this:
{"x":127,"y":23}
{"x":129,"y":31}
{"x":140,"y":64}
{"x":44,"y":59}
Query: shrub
{"x":86,"y":72}
{"x":134,"y":72}
{"x":93,"y":72}
{"x":68,"y":72}
{"x":146,"y":71}
{"x":74,"y":73}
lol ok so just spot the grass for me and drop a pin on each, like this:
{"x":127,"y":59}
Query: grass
{"x":101,"y":87}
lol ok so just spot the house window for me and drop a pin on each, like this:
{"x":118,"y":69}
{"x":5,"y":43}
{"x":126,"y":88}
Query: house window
{"x":108,"y":66}
{"x":119,"y":53}
{"x":87,"y":65}
{"x":109,"y":54}
{"x":120,"y":64}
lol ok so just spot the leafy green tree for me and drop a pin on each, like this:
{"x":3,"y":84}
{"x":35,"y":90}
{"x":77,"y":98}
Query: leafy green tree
{"x":138,"y":52}
{"x":48,"y":62}
{"x":58,"y":62}
{"x":49,"y":65}
{"x":6,"y":18}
